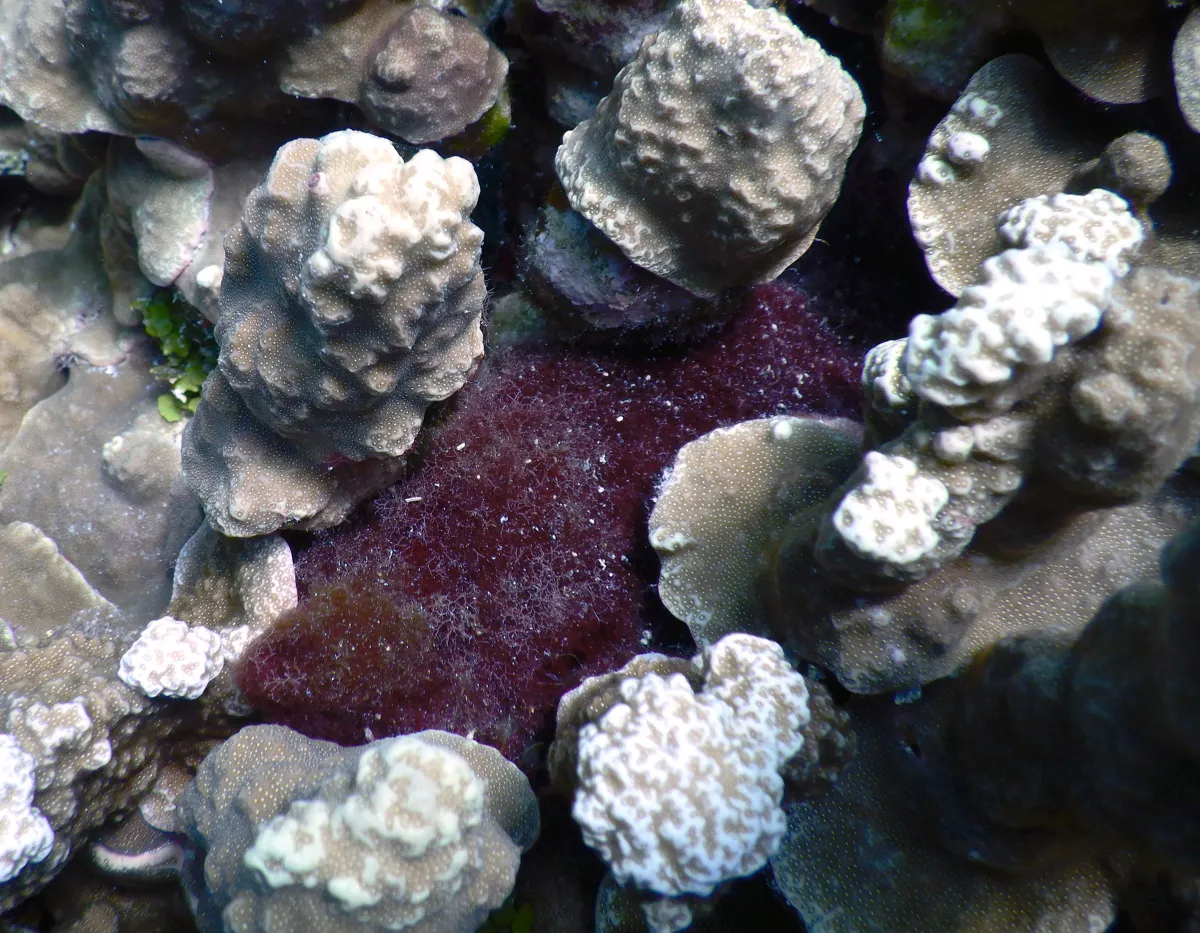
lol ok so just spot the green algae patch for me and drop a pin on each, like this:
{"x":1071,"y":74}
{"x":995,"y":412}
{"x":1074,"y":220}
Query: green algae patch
{"x":187,"y":351}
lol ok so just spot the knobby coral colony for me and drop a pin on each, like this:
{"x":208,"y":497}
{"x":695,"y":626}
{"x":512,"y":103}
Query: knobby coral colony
{"x":426,"y":421}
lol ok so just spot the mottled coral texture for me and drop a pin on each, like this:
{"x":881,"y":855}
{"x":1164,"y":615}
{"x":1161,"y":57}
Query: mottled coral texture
{"x":511,"y":564}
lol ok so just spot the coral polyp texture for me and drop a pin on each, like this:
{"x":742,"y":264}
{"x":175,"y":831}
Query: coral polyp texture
{"x":916,"y":502}
{"x":513,"y":559}
{"x":723,"y":500}
{"x":435,"y":76}
{"x":1103,"y":421}
{"x":422,"y":832}
{"x":350,"y":301}
{"x":1008,"y":137}
{"x":170,"y":659}
{"x":677,"y":781}
{"x":750,"y":148}
{"x":193,"y":70}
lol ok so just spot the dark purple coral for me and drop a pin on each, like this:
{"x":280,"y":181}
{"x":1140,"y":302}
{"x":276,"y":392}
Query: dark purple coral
{"x":513,"y":559}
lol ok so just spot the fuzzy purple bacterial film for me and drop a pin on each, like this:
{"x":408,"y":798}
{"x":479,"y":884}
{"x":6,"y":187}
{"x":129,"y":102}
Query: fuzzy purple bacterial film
{"x":518,"y":543}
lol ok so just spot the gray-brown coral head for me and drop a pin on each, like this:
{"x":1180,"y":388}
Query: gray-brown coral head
{"x":421,"y":833}
{"x":434,"y":76}
{"x":350,"y":301}
{"x":720,"y":149}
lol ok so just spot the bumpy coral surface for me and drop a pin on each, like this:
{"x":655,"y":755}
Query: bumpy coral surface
{"x":988,"y":362}
{"x":889,"y":515}
{"x":746,"y":153}
{"x":419,"y":833}
{"x":517,"y":544}
{"x":1027,"y":304}
{"x":1006,"y":138}
{"x":1186,"y":60}
{"x":26,"y":834}
{"x":679,"y":789}
{"x":172,"y":659}
{"x":350,"y":301}
{"x":434,"y":75}
{"x":86,"y":738}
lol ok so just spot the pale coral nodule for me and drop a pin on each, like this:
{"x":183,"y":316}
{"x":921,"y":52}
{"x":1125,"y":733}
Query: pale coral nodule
{"x":679,"y":789}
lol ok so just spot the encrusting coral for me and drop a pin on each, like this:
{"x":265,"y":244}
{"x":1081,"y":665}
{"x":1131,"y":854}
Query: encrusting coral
{"x":421,"y":832}
{"x":723,"y":179}
{"x":355,"y":265}
{"x":870,"y":853}
{"x":1016,"y":133}
{"x":1054,"y":748}
{"x":722,"y":501}
{"x":1097,"y":733}
{"x":1004,"y":140}
{"x":968,"y":452}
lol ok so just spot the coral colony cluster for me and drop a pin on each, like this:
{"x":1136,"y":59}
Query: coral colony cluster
{"x":515,"y":465}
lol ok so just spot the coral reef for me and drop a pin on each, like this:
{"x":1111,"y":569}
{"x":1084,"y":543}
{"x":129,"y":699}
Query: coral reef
{"x":1115,"y":56}
{"x":721,"y":503}
{"x":1056,"y":747}
{"x":978,"y":445}
{"x":844,"y":632}
{"x":677,"y":780}
{"x":83,"y":742}
{"x":868,"y":854}
{"x":1186,"y":60}
{"x":189,"y":70}
{"x":1116,"y":713}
